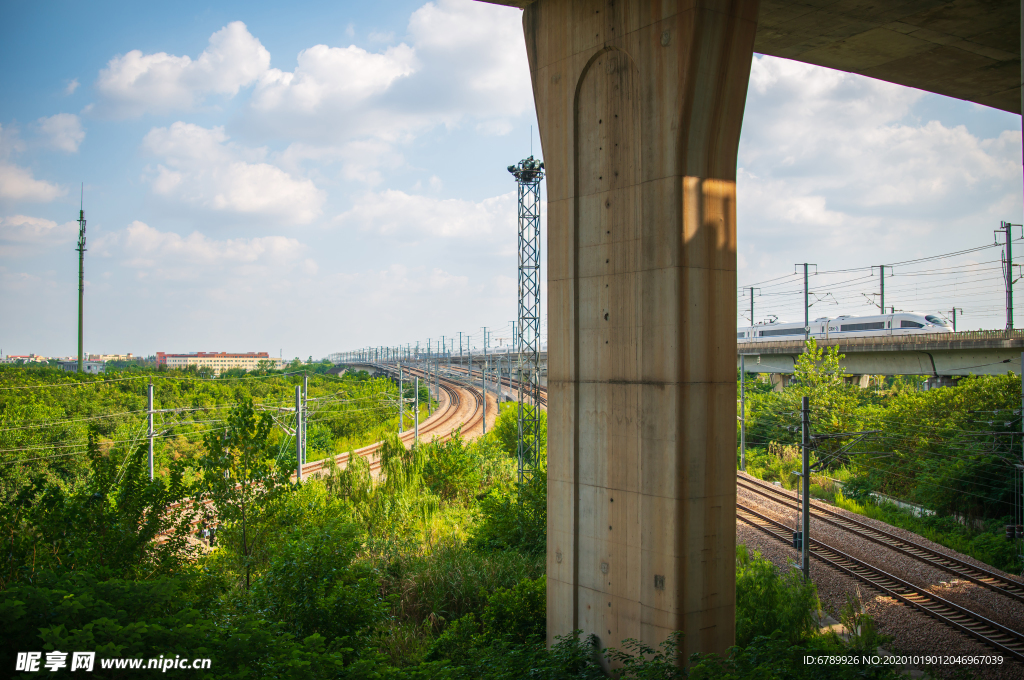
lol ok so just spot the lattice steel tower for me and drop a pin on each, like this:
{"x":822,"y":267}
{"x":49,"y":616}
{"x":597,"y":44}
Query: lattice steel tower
{"x":528,"y":173}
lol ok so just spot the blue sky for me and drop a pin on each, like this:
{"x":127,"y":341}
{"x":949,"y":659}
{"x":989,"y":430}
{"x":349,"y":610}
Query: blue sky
{"x":321,"y":176}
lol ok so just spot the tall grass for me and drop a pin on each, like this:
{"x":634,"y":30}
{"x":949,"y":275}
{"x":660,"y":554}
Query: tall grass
{"x":427,"y":591}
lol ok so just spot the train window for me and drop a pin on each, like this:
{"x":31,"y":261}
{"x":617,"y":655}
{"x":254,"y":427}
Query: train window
{"x":936,"y":320}
{"x":741,"y":335}
{"x":870,"y":326}
{"x":783,"y":331}
{"x":911,"y":324}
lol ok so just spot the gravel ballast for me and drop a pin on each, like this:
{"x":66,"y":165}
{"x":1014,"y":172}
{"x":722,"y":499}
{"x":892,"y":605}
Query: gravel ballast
{"x":913,"y":632}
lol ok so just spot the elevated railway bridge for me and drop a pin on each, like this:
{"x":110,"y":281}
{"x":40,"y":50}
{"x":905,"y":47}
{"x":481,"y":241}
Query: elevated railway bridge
{"x":941,"y":356}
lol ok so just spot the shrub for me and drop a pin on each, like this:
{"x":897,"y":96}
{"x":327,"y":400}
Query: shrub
{"x":519,"y":613}
{"x":313,"y":586}
{"x":767,"y":601}
{"x":515,"y":517}
{"x":451,"y":581}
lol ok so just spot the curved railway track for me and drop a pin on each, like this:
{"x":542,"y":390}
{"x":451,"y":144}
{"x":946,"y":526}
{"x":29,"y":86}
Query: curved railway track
{"x":507,"y":382}
{"x":1000,"y":638}
{"x":441,"y":424}
{"x":969,"y":572}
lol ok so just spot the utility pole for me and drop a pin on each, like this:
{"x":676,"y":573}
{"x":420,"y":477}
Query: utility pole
{"x":807,"y":300}
{"x":1005,"y":228}
{"x":460,"y":347}
{"x":150,"y":400}
{"x":752,"y":289}
{"x":953,"y":312}
{"x":881,"y":286}
{"x":81,"y":280}
{"x":305,"y":402}
{"x":743,"y":412}
{"x":416,"y":414}
{"x":805,"y":529}
{"x":298,"y":433}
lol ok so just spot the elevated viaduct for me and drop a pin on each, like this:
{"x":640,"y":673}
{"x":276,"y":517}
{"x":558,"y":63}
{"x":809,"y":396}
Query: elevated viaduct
{"x":936,"y":355}
{"x":640,"y":104}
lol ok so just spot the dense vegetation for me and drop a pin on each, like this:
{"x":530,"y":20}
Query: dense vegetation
{"x":951,"y":451}
{"x":432,"y":569}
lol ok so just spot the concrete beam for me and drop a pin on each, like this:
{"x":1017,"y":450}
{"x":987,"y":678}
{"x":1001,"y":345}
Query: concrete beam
{"x":965,"y":353}
{"x":640,"y":104}
{"x":968,"y":49}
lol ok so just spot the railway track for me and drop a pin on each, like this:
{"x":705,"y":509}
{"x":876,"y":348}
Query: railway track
{"x":998,"y":637}
{"x":969,"y":572}
{"x":507,"y":382}
{"x":441,"y":422}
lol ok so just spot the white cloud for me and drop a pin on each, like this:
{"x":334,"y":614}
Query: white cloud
{"x":823,"y":149}
{"x":409,"y":216}
{"x":196,"y":258}
{"x":461,"y":60}
{"x":137,"y":83}
{"x":18,"y":184}
{"x":332,"y":78}
{"x":362,"y":160}
{"x":202,"y":168}
{"x":62,"y":131}
{"x":846,"y":171}
{"x":10,"y":141}
{"x":22,"y":233}
{"x":71,"y":87}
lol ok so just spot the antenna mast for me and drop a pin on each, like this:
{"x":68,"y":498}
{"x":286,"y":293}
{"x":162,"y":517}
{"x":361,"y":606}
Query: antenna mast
{"x":81,"y":274}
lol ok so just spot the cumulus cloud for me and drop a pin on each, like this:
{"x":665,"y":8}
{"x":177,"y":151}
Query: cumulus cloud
{"x":170,"y":256}
{"x":62,"y":131}
{"x":332,"y":78}
{"x":20,"y":234}
{"x":838,"y":156}
{"x":847,"y":172}
{"x":135,"y":83}
{"x":460,"y":60}
{"x":410,"y":216}
{"x":18,"y":184}
{"x":71,"y":87}
{"x":202,"y":168}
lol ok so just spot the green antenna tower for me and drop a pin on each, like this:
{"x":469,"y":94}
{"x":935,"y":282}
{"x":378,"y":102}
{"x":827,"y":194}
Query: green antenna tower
{"x":81,"y":274}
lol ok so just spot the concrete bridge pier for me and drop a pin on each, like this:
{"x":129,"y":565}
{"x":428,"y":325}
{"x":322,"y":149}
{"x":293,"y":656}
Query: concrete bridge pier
{"x":640,"y":104}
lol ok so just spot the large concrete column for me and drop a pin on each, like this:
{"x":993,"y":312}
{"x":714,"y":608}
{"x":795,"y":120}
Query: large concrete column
{"x":640,"y":104}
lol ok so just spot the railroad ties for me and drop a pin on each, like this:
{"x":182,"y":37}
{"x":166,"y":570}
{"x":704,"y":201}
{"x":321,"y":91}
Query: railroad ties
{"x":970,"y":572}
{"x":996,"y":636}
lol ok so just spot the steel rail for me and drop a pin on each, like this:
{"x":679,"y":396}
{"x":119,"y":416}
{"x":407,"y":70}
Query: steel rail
{"x":975,"y":574}
{"x":990,"y":633}
{"x":436,"y":422}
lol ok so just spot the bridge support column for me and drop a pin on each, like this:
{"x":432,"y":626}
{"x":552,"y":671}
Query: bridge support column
{"x":640,"y":104}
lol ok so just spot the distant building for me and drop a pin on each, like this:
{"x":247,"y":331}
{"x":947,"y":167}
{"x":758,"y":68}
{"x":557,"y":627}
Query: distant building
{"x":23,"y":358}
{"x":218,"y":361}
{"x":94,"y":367}
{"x":112,"y":357}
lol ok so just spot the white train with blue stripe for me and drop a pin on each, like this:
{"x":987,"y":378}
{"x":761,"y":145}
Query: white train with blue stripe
{"x":825,"y":328}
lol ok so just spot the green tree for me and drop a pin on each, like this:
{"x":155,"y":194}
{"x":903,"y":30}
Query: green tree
{"x":244,"y":481}
{"x":110,"y":522}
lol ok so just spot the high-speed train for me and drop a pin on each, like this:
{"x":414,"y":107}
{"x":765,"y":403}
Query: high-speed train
{"x":901,"y":323}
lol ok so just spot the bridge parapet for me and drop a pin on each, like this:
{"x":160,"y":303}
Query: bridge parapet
{"x":963,"y":340}
{"x":934,"y":354}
